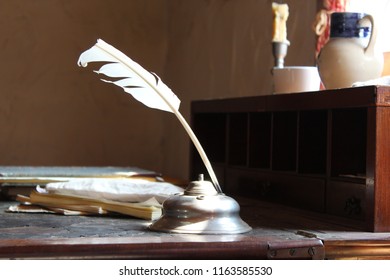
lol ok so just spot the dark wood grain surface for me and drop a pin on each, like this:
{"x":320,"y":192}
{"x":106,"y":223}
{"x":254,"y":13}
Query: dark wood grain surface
{"x":279,"y":232}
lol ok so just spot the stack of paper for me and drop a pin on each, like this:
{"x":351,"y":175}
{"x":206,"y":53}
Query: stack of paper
{"x":130,"y":196}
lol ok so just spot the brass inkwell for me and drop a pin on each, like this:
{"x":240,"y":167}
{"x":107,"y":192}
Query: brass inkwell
{"x":201,"y":209}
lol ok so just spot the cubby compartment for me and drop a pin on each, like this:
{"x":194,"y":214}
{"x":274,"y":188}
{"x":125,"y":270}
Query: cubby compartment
{"x":284,"y":141}
{"x":312,"y":147}
{"x":238,"y":139}
{"x":210,"y":128}
{"x":211,"y":132}
{"x":349,"y":142}
{"x":260,"y":140}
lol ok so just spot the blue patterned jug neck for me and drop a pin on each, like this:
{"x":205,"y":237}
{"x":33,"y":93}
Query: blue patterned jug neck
{"x":346,"y":25}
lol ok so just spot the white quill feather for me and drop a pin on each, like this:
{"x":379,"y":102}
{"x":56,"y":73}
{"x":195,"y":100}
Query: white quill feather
{"x":143,"y":85}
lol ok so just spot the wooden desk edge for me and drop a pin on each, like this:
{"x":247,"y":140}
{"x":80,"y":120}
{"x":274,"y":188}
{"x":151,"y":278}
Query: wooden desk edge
{"x":212,"y":247}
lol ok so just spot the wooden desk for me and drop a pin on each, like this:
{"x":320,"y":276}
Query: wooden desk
{"x":325,"y":151}
{"x":278,"y":232}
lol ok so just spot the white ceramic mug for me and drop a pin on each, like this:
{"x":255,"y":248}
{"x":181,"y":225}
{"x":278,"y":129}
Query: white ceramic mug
{"x":294,"y":79}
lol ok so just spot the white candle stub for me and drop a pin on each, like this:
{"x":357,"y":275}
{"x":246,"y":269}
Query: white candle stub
{"x":280,"y":13}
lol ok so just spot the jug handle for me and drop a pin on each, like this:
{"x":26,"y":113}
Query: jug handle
{"x":371,"y":43}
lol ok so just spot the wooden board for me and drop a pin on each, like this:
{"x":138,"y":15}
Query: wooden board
{"x":279,"y":232}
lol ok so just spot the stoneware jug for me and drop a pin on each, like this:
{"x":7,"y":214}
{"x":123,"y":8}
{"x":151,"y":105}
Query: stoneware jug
{"x":350,"y":55}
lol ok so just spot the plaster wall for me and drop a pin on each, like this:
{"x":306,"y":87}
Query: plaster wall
{"x":54,"y":113}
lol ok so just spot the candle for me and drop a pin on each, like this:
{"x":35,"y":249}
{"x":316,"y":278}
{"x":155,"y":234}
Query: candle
{"x":280,"y":12}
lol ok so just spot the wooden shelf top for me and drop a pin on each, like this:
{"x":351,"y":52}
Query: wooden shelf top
{"x":325,"y":99}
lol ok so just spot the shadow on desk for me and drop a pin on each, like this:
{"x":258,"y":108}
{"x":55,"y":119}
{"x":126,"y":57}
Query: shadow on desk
{"x":278,"y":233}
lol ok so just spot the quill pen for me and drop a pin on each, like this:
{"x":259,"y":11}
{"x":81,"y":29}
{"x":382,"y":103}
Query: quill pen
{"x":144,"y":86}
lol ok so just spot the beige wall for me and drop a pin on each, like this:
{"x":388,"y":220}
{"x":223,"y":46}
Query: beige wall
{"x":54,"y":113}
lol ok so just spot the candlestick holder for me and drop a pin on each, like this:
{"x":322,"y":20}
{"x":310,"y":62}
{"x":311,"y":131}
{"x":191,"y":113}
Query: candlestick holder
{"x":279,"y":51}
